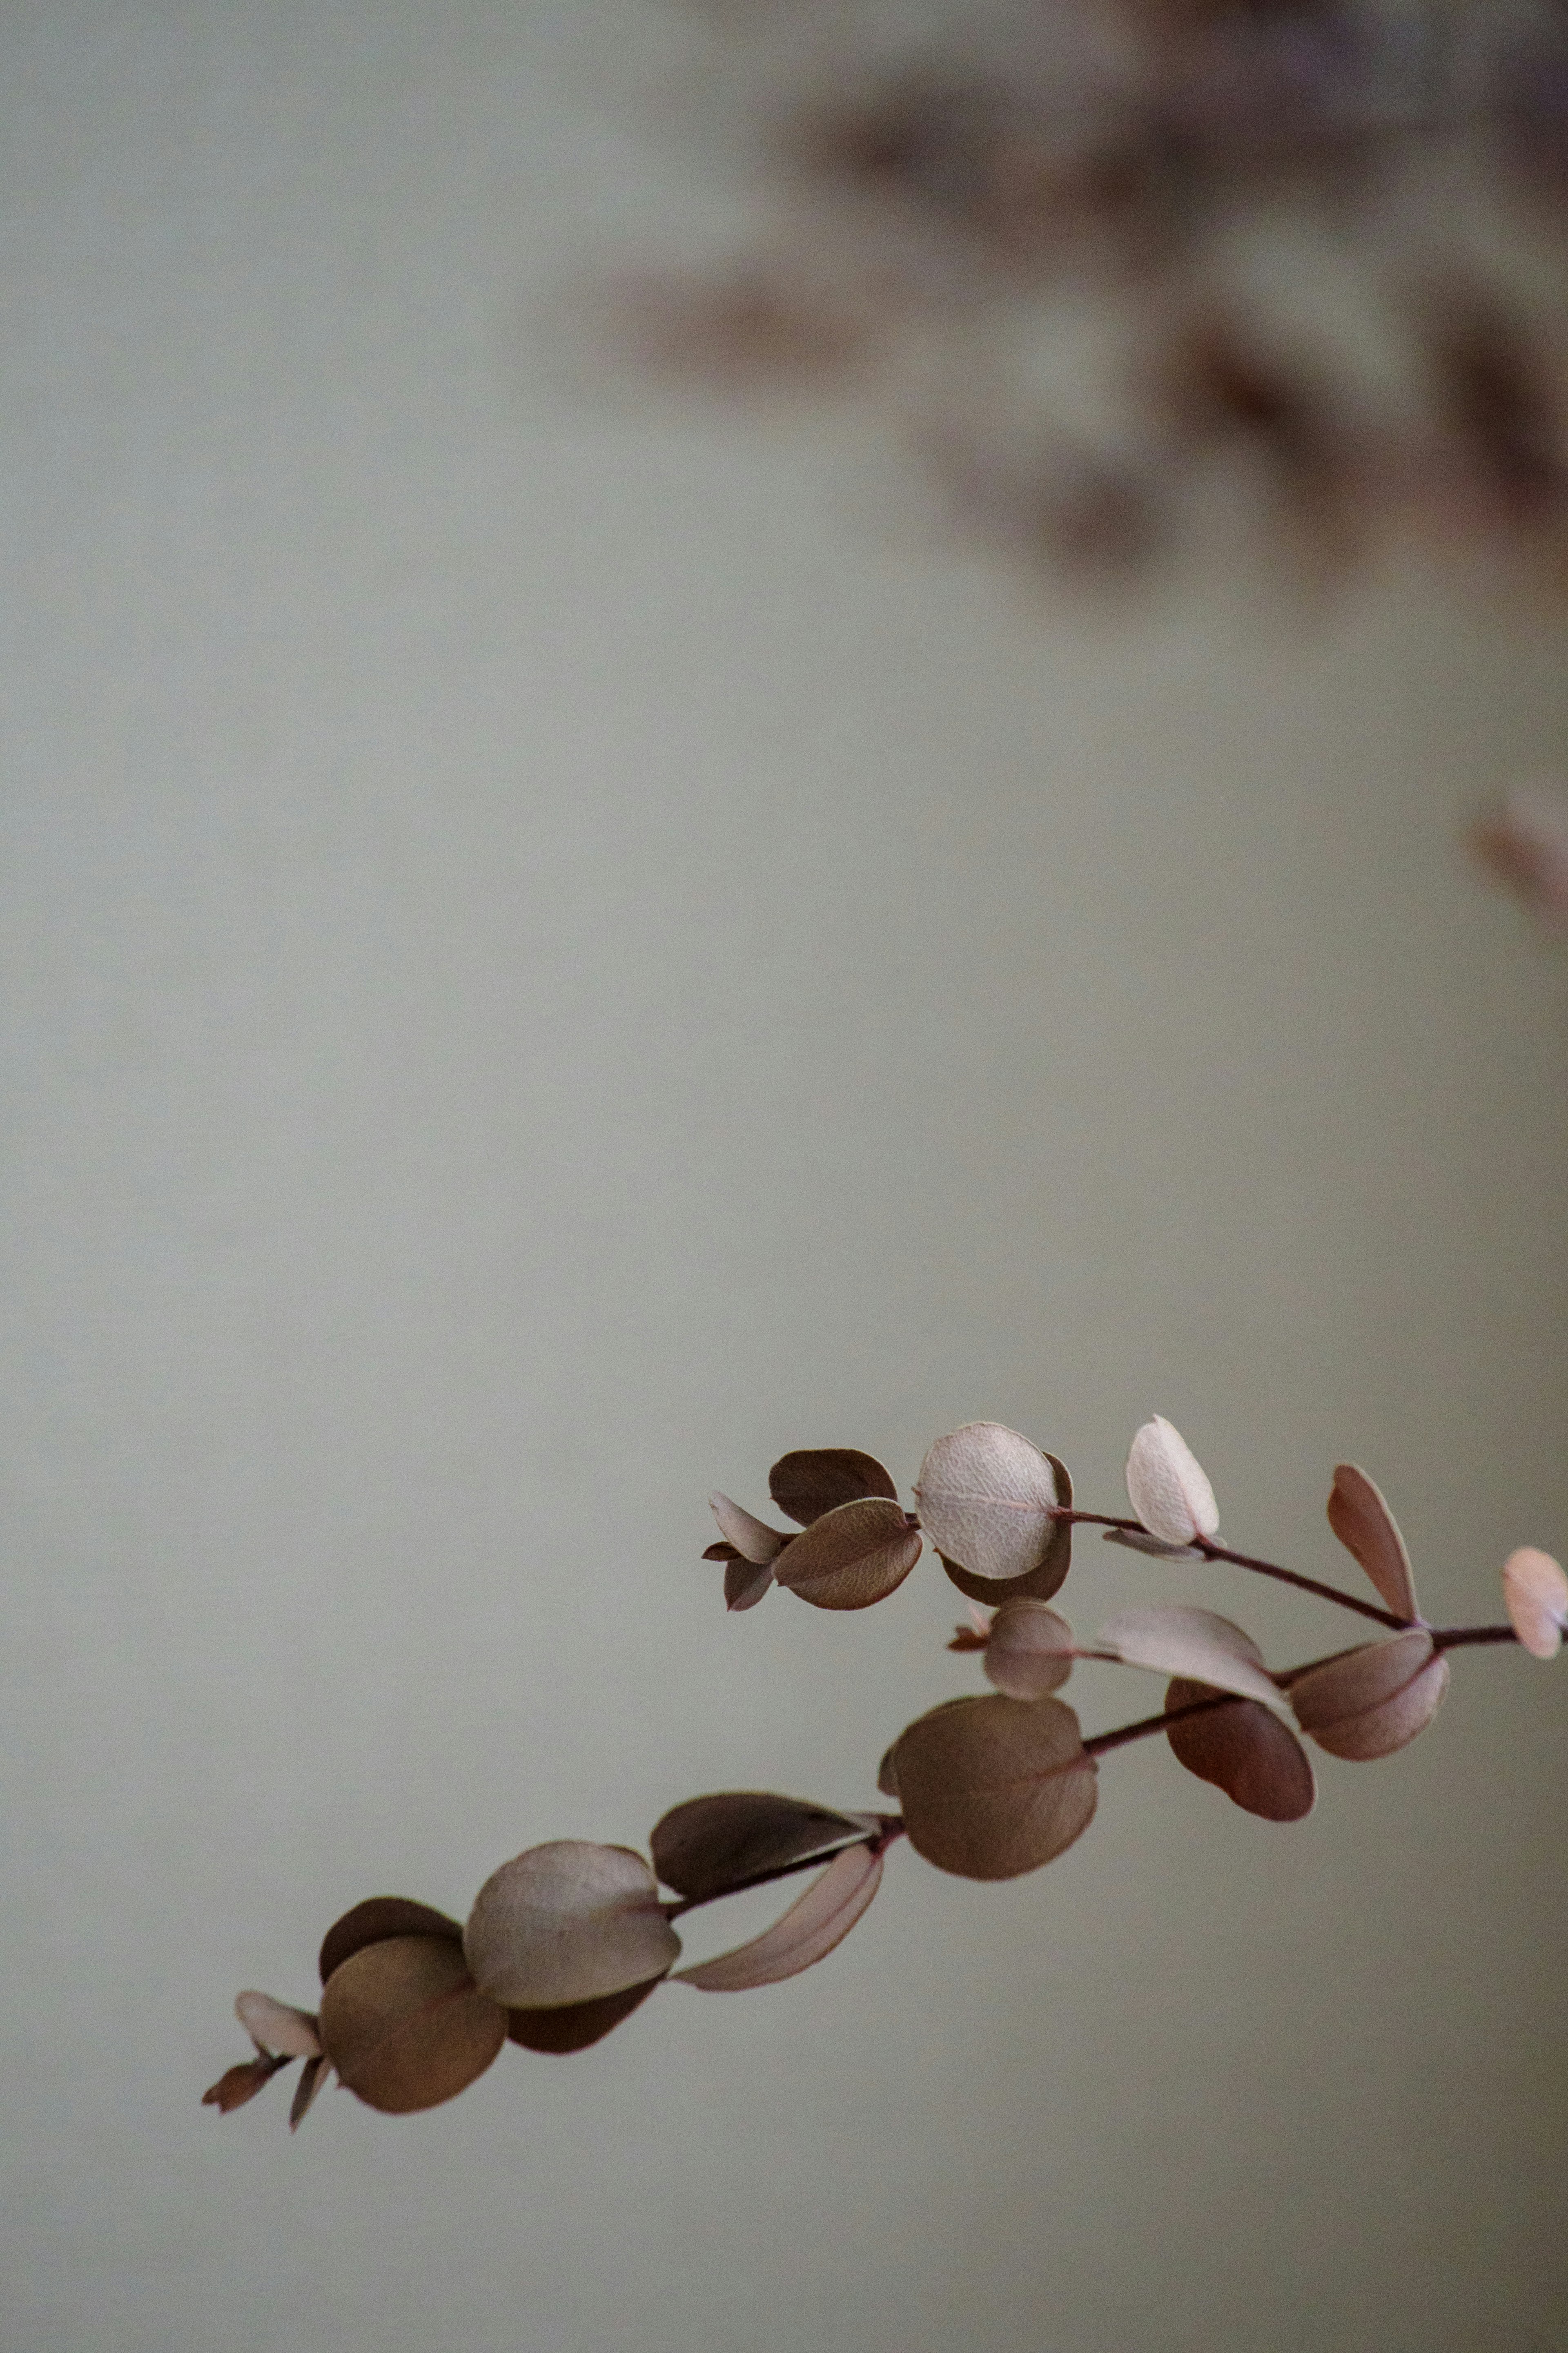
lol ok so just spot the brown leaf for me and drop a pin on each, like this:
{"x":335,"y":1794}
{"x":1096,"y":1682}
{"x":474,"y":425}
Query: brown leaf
{"x":1167,"y":1486}
{"x":567,"y":1922}
{"x":577,"y":2025}
{"x":1369,"y":1532}
{"x":745,"y":1584}
{"x":993,"y":1786}
{"x":376,"y":1919}
{"x":1244,"y":1750}
{"x":888,"y":1776}
{"x":988,"y":1502}
{"x":405,"y":2026}
{"x":275,"y":2026}
{"x":752,"y":1538}
{"x":1030,"y":1650}
{"x":720,"y":1551}
{"x":709,"y":1845}
{"x":312,"y":2075}
{"x":852,"y":1556}
{"x":1525,"y":843}
{"x":242,"y":2083}
{"x":1178,"y":1641}
{"x":817,"y":1479}
{"x":1536,"y":1593}
{"x":808,"y":1932}
{"x":1370,"y":1700}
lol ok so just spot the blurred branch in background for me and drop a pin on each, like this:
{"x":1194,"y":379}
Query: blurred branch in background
{"x":1126,"y":270}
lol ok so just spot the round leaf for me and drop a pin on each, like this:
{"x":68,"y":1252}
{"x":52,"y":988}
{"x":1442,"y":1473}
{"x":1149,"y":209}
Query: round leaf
{"x":577,"y":2025}
{"x":1166,"y":1485}
{"x":1244,"y":1750}
{"x":1029,"y":1650}
{"x":808,"y":1932}
{"x":888,"y":1775}
{"x":709,"y":1845}
{"x":565,"y":1923}
{"x":752,"y":1538}
{"x":1369,"y":1701}
{"x":403,"y":2025}
{"x":1370,"y":1534}
{"x":1197,"y":1643}
{"x":1536,"y":1593}
{"x":852,"y":1556}
{"x":376,"y":1919}
{"x":993,"y":1786}
{"x":817,"y":1479}
{"x":277,"y":2027}
{"x":988,"y":1501}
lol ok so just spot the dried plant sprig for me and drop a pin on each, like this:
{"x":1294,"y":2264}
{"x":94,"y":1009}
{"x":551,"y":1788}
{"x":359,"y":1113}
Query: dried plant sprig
{"x":567,"y":1939}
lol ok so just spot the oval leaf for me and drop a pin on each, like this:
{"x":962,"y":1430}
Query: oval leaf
{"x":405,"y":2026}
{"x":277,"y":2027}
{"x":241,"y":2084}
{"x":752,"y":1538}
{"x":746,"y":1582}
{"x":808,"y":1932}
{"x":1197,"y":1643}
{"x":1370,"y":1534}
{"x":376,"y":1919}
{"x":711,"y":1845}
{"x":817,"y":1479}
{"x":1029,"y":1652}
{"x":1536,"y":1593}
{"x":1244,"y":1750}
{"x":577,"y":2025}
{"x":1369,"y":1701}
{"x":993,"y":1786}
{"x":988,"y":1502}
{"x":852,"y":1556}
{"x":1167,"y":1487}
{"x":565,"y":1923}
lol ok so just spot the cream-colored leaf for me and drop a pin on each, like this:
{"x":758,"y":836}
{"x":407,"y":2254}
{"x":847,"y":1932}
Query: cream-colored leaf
{"x":1167,"y":1486}
{"x":987,"y":1500}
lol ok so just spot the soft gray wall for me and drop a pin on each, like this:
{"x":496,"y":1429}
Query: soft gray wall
{"x":547,"y":958}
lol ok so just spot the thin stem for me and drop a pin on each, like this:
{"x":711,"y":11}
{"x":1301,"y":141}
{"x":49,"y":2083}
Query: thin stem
{"x":891,"y":1827}
{"x":1458,"y":1638}
{"x":1306,"y":1584}
{"x":1151,"y":1724}
{"x":1212,"y":1551}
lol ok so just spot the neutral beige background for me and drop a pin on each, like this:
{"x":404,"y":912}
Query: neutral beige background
{"x":550,"y":953}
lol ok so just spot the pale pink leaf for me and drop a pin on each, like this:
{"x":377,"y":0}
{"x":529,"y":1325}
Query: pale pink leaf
{"x":1167,"y":1486}
{"x":1370,"y":1534}
{"x":1140,"y":1540}
{"x":278,"y":2027}
{"x":751,"y":1537}
{"x":1196,"y":1644}
{"x":988,"y":1500}
{"x":808,"y":1931}
{"x":1536,"y":1593}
